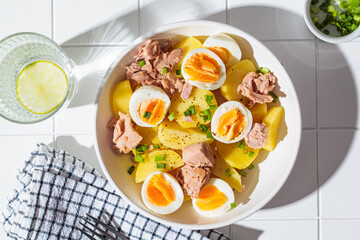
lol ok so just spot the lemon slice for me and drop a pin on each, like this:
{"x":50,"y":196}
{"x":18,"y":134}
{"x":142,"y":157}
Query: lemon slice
{"x":41,"y":87}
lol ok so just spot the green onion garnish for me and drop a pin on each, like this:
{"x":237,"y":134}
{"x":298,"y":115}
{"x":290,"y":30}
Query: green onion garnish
{"x":131,"y":169}
{"x":251,"y":166}
{"x":172,"y":116}
{"x":314,"y":10}
{"x":315,"y":19}
{"x":187,"y":113}
{"x":212,"y":107}
{"x":240,"y":144}
{"x":178,"y":72}
{"x":330,"y":9}
{"x":156,"y":146}
{"x":274,"y":96}
{"x":203,"y":128}
{"x":326,"y":32}
{"x":147,"y":115}
{"x":208,"y":99}
{"x":159,"y":158}
{"x":161,"y":165}
{"x":344,"y":4}
{"x":139,"y":158}
{"x":192,"y":110}
{"x":242,"y":173}
{"x":227,"y":172}
{"x":313,"y":2}
{"x":209,"y":135}
{"x":232,"y":205}
{"x":164,"y":70}
{"x":142,"y":63}
{"x":144,"y":147}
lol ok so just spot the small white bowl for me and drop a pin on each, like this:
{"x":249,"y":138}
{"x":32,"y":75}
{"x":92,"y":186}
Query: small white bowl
{"x":327,"y":38}
{"x":262,"y":182}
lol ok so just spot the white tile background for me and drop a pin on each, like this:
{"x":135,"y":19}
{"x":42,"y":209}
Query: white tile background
{"x":320,"y":200}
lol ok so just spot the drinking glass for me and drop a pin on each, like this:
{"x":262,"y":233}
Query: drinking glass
{"x":18,"y":51}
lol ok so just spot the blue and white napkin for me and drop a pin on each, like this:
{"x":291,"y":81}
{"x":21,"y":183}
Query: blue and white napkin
{"x":56,"y":190}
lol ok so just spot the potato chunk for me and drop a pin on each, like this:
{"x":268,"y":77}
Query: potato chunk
{"x":237,"y":155}
{"x":272,"y":120}
{"x":172,"y":135}
{"x":226,"y":172}
{"x":197,"y":98}
{"x":234,"y":76}
{"x":121,"y":97}
{"x":258,"y":112}
{"x":172,"y":161}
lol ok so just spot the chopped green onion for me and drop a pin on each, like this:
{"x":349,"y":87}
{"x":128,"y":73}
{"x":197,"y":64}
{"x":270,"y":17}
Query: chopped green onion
{"x":315,"y":19}
{"x":326,"y":32}
{"x":227,"y":172}
{"x":335,"y":14}
{"x":139,"y":158}
{"x":131,"y":169}
{"x":330,"y":9}
{"x":164,"y":70}
{"x":344,"y":4}
{"x":139,"y":149}
{"x":192,"y":110}
{"x":159,"y":158}
{"x":357,"y":17}
{"x":156,"y":146}
{"x":314,"y":10}
{"x":251,"y":166}
{"x":208,"y":99}
{"x":147,"y":115}
{"x":144,"y":147}
{"x":201,"y":114}
{"x":203,"y":128}
{"x":232,"y":205}
{"x":207,"y":112}
{"x":172,"y":116}
{"x":273,"y":95}
{"x":209,"y":135}
{"x":207,"y":117}
{"x":240,"y":144}
{"x":178,"y":72}
{"x":242,"y":173}
{"x":161,"y":165}
{"x":142,"y":63}
{"x":251,"y":154}
{"x":212,"y":107}
{"x":187,"y":113}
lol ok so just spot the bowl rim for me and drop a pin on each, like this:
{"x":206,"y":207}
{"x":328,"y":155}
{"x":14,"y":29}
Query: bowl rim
{"x":319,"y":34}
{"x":249,"y":211}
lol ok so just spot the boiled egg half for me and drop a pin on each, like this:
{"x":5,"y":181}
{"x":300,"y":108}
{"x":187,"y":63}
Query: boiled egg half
{"x":161,"y":193}
{"x":148,"y":106}
{"x":231,"y":122}
{"x":204,"y":69}
{"x":225,"y":47}
{"x":214,"y":199}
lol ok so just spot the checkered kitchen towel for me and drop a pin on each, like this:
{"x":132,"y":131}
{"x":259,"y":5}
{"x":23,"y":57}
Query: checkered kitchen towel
{"x":56,"y":189}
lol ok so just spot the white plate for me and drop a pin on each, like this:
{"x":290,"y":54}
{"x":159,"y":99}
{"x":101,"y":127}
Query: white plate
{"x":262,"y":183}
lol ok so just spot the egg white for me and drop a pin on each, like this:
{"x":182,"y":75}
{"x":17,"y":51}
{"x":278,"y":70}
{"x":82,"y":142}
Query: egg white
{"x":227,"y":42}
{"x":224,"y":108}
{"x":202,"y":85}
{"x":144,"y":93}
{"x":172,"y":207}
{"x":224,"y":188}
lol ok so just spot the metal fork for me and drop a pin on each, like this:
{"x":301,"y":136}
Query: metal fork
{"x":99,"y":233}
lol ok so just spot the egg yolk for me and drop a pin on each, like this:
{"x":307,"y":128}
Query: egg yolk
{"x":159,"y":191}
{"x":222,"y":53}
{"x":210,"y":198}
{"x":203,"y":68}
{"x":152,"y":111}
{"x":231,"y":124}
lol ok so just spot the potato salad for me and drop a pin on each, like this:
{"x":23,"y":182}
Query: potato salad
{"x":193,"y":116}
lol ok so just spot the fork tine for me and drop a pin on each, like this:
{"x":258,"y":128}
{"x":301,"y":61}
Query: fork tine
{"x":110,"y":228}
{"x":86,"y":234}
{"x":105,"y":234}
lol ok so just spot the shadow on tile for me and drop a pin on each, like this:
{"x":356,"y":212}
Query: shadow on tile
{"x":242,"y":233}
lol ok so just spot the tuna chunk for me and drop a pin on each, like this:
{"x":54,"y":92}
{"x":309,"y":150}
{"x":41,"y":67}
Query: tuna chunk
{"x":257,"y":136}
{"x":125,"y":136}
{"x":198,"y":155}
{"x":171,"y":84}
{"x":168,"y":60}
{"x":149,"y":51}
{"x":186,"y":91}
{"x":192,"y":179}
{"x":256,"y":87}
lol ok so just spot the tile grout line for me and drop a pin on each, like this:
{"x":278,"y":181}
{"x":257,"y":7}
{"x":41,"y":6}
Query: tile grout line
{"x":139,"y":16}
{"x":52,"y":19}
{"x":227,"y":16}
{"x":317,"y":138}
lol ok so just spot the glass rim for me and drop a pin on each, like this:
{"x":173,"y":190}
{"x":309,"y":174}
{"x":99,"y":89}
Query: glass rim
{"x":70,"y":77}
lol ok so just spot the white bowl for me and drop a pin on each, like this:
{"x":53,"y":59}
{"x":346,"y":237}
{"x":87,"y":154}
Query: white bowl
{"x":262,"y":183}
{"x":318,"y":33}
